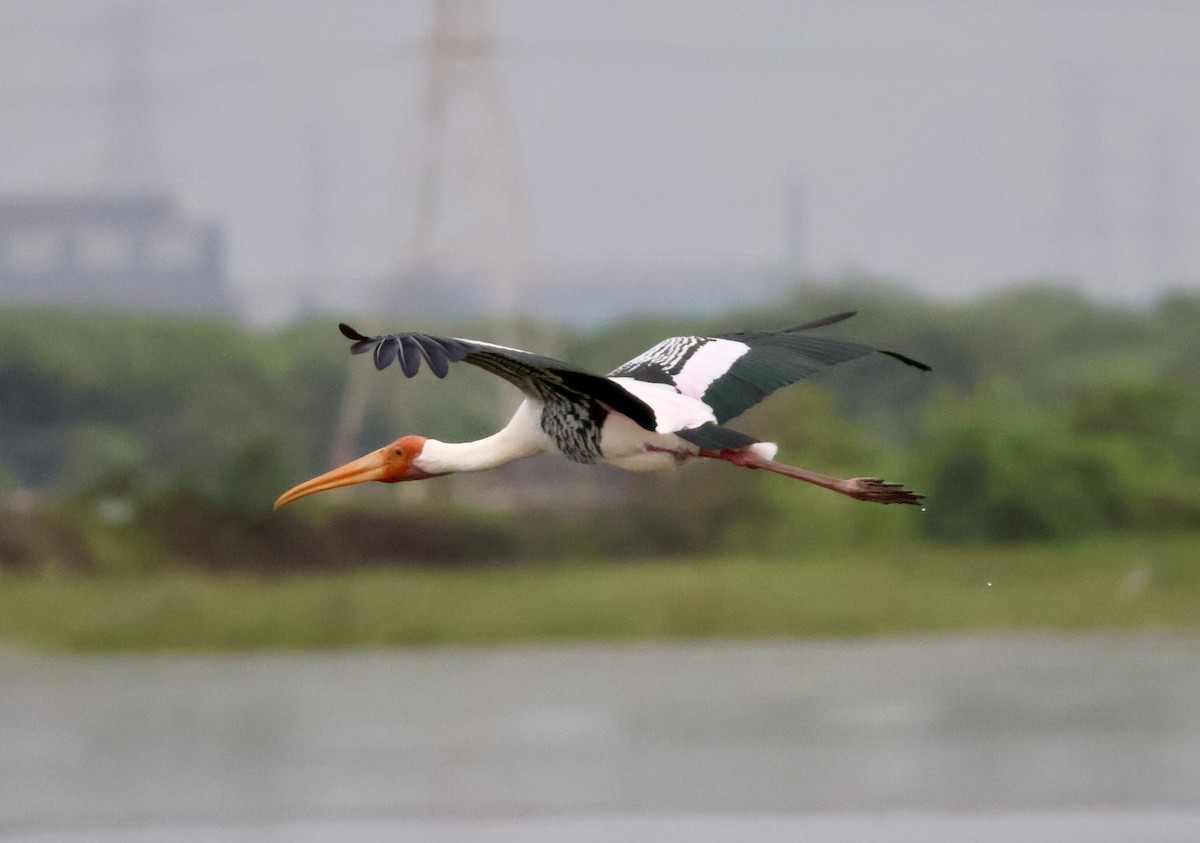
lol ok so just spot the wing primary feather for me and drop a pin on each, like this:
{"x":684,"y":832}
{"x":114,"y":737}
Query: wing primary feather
{"x":351,"y":334}
{"x":823,"y":321}
{"x":924,"y":367}
{"x":455,"y":350}
{"x":385,"y":352}
{"x":362,"y":343}
{"x":435,"y":355}
{"x":409,"y":356}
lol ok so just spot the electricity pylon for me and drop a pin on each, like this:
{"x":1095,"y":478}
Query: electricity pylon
{"x":470,"y":217}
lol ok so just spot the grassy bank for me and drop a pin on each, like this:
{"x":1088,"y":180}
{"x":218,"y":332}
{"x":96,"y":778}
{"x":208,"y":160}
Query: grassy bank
{"x":1112,"y":584}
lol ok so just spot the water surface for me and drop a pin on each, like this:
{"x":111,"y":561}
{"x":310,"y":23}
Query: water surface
{"x":1061,"y":738}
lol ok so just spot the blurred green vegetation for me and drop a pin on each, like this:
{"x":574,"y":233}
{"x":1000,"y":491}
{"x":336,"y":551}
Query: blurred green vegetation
{"x":1110,"y":584}
{"x":158,"y":444}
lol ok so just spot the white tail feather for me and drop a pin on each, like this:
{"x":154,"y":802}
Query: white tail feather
{"x":765,"y":450}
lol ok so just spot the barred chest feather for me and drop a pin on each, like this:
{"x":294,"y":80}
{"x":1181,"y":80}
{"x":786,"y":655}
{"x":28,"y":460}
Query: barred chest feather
{"x":575,"y":429}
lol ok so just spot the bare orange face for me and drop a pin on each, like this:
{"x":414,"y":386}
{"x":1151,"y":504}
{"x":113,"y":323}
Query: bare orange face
{"x":390,"y":464}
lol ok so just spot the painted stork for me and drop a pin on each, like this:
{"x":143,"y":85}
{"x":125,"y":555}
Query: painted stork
{"x":663,"y":407}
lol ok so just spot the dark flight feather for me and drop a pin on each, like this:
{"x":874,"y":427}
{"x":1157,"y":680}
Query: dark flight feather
{"x":542,"y":378}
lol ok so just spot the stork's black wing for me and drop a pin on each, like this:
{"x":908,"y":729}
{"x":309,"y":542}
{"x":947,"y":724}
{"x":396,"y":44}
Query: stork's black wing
{"x":542,"y":378}
{"x":732,"y":372}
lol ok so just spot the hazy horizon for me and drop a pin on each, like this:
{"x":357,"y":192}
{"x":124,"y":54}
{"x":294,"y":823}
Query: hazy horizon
{"x":949,"y":147}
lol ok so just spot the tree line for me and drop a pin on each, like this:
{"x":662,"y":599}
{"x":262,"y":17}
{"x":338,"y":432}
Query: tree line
{"x":1048,"y":416}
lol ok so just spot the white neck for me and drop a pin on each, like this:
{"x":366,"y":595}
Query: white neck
{"x":522,"y":437}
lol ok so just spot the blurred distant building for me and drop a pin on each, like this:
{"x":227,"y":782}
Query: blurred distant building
{"x":120,"y":252}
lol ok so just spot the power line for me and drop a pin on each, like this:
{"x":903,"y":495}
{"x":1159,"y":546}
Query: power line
{"x":173,"y":83}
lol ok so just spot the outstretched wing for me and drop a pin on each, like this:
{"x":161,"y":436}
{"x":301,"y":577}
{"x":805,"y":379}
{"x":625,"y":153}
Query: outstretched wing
{"x":541,"y":378}
{"x":732,"y":372}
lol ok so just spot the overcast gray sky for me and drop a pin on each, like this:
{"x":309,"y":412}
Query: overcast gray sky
{"x":955,"y":145}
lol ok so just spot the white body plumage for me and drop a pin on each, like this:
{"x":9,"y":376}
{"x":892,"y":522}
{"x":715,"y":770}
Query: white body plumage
{"x":623,"y":442}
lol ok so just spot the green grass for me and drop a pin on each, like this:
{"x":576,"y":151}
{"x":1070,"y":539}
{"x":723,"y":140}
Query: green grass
{"x":1122,"y":583}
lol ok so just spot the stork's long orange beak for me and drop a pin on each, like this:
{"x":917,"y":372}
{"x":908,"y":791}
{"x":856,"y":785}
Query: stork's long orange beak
{"x":374,"y":466}
{"x":390,"y":464}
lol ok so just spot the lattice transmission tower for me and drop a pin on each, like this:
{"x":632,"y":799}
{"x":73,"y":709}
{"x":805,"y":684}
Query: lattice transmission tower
{"x":470,"y":214}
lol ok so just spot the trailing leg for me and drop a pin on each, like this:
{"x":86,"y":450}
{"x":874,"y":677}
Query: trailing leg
{"x":870,"y":489}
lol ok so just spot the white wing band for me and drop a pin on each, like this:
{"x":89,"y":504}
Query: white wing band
{"x":710,"y":362}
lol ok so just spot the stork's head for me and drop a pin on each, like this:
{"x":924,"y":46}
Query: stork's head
{"x":390,"y":464}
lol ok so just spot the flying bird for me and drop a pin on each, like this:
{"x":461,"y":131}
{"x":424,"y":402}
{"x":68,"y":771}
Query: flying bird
{"x":664,"y":407}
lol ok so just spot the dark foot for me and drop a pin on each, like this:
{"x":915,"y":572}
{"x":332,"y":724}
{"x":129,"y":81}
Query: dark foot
{"x":880,"y":491}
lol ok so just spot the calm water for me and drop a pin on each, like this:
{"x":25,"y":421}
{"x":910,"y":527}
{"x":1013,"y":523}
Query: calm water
{"x":994,"y":738}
